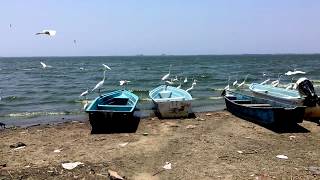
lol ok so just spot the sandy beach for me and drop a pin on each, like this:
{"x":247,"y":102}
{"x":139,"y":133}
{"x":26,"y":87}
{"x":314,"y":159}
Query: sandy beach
{"x":215,"y":145}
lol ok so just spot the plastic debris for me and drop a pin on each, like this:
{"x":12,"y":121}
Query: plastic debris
{"x":57,"y":150}
{"x":113,"y":175}
{"x":18,"y":145}
{"x":145,"y":134}
{"x":208,"y":114}
{"x":123,"y":144}
{"x":314,"y":170}
{"x":282,"y":156}
{"x":200,"y":119}
{"x":292,"y":137}
{"x":240,"y":152}
{"x":70,"y":166}
{"x":191,"y":126}
{"x":167,"y":166}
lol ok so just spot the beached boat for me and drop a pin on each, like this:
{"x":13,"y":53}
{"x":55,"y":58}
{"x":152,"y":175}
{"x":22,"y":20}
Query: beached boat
{"x":171,"y":102}
{"x":263,"y":111}
{"x":304,"y":96}
{"x":116,"y":107}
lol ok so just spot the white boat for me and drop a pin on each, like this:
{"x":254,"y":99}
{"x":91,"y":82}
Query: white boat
{"x":304,"y":96}
{"x":171,"y":102}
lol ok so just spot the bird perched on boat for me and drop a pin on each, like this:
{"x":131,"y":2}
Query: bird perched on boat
{"x":275,"y":83}
{"x":289,"y":73}
{"x":44,"y":65}
{"x":290,"y":86}
{"x":99,"y":85}
{"x":167,"y":75}
{"x":235,"y":82}
{"x":265,"y":81}
{"x":189,"y":89}
{"x":47,"y":32}
{"x":185,"y":80}
{"x":123,"y":82}
{"x":106,"y":66}
{"x":243,"y":82}
{"x":170,"y":82}
{"x":175,"y":79}
{"x":179,"y":86}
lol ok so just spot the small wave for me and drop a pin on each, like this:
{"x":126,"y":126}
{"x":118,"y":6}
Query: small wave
{"x":216,"y":97}
{"x":145,"y":99}
{"x":33,"y":114}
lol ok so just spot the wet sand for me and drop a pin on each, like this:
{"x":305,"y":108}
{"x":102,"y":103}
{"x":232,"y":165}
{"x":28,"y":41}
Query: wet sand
{"x":215,"y":145}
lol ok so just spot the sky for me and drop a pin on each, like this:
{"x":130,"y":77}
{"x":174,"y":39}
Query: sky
{"x":173,"y":27}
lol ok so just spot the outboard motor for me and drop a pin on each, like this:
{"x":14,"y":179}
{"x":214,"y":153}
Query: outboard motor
{"x":306,"y":89}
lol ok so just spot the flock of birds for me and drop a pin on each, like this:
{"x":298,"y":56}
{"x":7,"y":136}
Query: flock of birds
{"x":274,"y":83}
{"x":165,"y":78}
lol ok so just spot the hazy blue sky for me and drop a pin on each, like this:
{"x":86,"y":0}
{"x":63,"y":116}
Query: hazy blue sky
{"x":129,"y":27}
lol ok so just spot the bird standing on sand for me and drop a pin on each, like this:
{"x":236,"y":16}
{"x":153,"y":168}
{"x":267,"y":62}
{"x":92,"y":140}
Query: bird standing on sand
{"x":47,"y":32}
{"x":99,"y":85}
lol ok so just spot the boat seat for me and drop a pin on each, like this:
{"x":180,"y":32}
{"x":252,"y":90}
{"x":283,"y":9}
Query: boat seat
{"x":257,"y":105}
{"x":117,"y":101}
{"x":170,"y":99}
{"x":109,"y":107}
{"x":165,"y":94}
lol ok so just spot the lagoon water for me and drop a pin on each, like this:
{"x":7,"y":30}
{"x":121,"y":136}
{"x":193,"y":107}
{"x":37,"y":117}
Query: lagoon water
{"x":30,"y":93}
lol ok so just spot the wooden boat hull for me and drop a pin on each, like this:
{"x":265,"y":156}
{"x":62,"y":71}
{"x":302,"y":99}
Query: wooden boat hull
{"x":171,"y":102}
{"x":261,"y":113}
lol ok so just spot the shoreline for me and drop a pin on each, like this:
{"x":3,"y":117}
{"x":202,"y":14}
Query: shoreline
{"x":215,"y":145}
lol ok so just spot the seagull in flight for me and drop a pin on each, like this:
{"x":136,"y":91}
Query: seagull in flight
{"x":47,"y":32}
{"x":106,"y":66}
{"x":44,"y":65}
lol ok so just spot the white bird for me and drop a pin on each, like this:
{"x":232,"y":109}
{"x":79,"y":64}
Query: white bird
{"x":85,"y":105}
{"x":81,"y":68}
{"x":243,"y":82}
{"x":106,"y":66}
{"x":100,"y":83}
{"x":175,"y":79}
{"x":265,"y":81}
{"x":85,"y":93}
{"x":123,"y":82}
{"x":47,"y":32}
{"x":167,"y":75}
{"x":289,"y":73}
{"x":290,"y":86}
{"x":185,"y":80}
{"x":194,"y":82}
{"x":235,"y":82}
{"x":179,"y":86}
{"x":169,"y":82}
{"x":189,"y":89}
{"x":44,"y":65}
{"x":227,"y":87}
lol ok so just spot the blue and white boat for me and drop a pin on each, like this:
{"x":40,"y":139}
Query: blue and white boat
{"x":263,"y":111}
{"x":171,"y":102}
{"x":113,"y":106}
{"x":303,"y":96}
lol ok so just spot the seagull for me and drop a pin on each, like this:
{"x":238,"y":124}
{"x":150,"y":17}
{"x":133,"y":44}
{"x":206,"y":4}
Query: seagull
{"x":47,"y":32}
{"x":85,"y":93}
{"x":265,"y":81}
{"x":44,"y":65}
{"x":179,"y":86}
{"x":243,"y":82}
{"x":106,"y":66}
{"x":167,"y":75}
{"x":189,"y":89}
{"x":194,"y":82}
{"x":81,"y":68}
{"x":289,"y":73}
{"x":290,"y":86}
{"x":99,"y":85}
{"x":185,"y":80}
{"x":175,"y":79}
{"x":235,"y":82}
{"x":169,"y":82}
{"x":123,"y":82}
{"x":275,"y":83}
{"x":227,"y":87}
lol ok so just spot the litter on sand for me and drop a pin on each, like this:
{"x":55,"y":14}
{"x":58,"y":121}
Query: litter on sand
{"x":114,"y":175}
{"x":167,"y":166}
{"x":70,"y":166}
{"x":190,"y":126}
{"x":57,"y":150}
{"x":240,"y":152}
{"x":123,"y":144}
{"x":282,"y":156}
